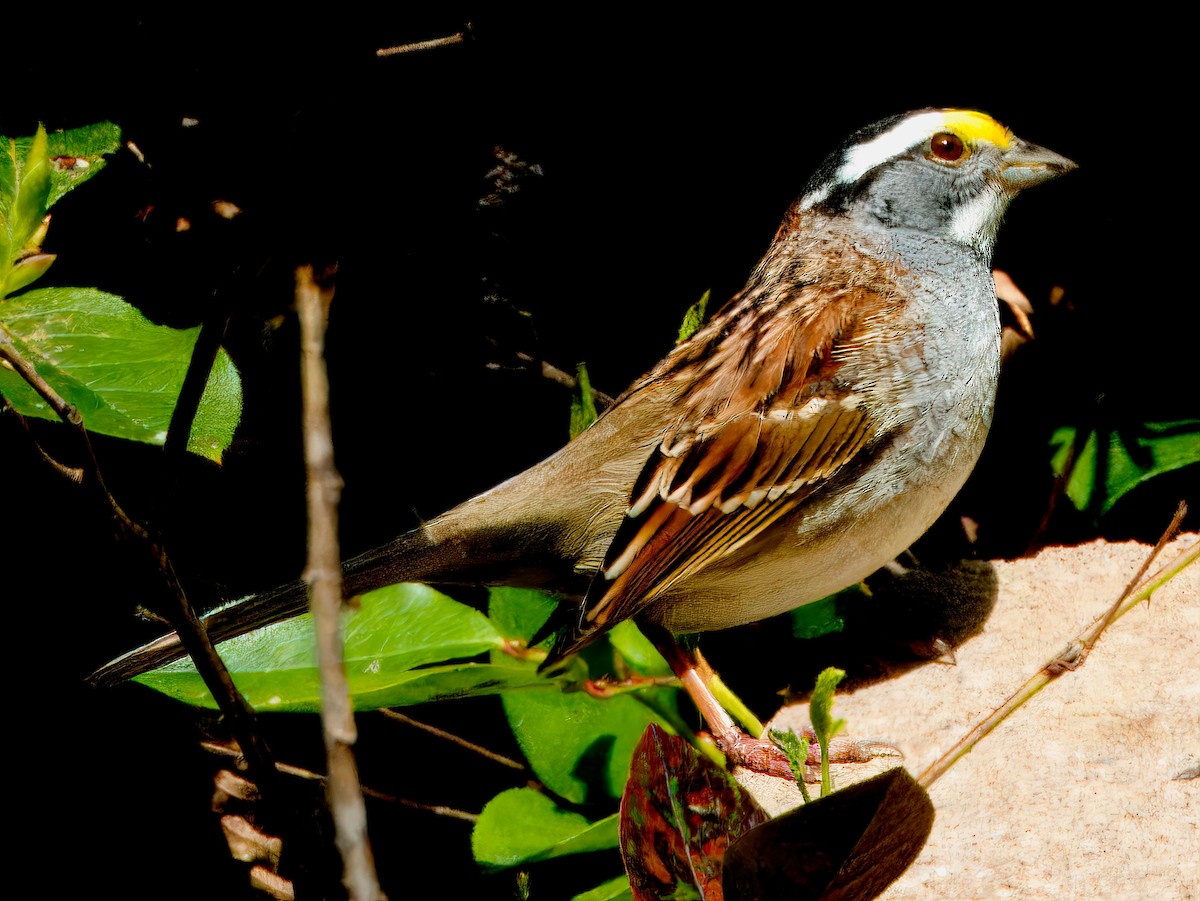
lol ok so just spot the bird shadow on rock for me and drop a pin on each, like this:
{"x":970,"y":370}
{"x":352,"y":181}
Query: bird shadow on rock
{"x":904,"y":618}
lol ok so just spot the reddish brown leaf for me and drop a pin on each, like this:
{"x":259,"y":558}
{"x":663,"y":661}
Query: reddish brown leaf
{"x":678,"y":815}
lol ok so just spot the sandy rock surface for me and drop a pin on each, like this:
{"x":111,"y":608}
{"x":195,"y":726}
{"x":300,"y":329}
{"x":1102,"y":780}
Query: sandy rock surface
{"x":1092,"y":790}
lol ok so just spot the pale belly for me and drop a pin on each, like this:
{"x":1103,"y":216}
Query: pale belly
{"x":817,"y":555}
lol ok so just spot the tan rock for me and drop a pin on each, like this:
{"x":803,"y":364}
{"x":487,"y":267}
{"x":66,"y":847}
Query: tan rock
{"x":1089,"y":791}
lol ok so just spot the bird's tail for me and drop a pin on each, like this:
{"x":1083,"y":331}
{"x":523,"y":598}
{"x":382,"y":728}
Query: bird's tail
{"x":523,"y":532}
{"x":400,"y":560}
{"x":485,"y":541}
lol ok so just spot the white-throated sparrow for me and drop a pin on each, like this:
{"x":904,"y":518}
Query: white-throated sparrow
{"x":805,"y":436}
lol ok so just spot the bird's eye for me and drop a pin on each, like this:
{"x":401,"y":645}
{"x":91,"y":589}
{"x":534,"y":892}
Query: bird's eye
{"x":946,"y":146}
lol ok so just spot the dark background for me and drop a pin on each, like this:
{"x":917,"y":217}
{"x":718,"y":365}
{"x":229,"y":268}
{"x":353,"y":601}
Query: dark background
{"x":668,"y":150}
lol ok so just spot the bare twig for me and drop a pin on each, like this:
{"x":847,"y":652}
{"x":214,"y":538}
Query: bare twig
{"x":552,"y":372}
{"x":65,"y":411}
{"x":324,"y":576}
{"x":417,"y":46}
{"x":1073,"y":656}
{"x":1089,"y":638}
{"x":70,"y":473}
{"x":440,"y":810}
{"x":454,"y":739}
{"x":300,"y":772}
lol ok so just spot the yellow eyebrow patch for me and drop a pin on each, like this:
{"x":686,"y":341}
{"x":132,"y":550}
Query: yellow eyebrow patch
{"x":975,"y":127}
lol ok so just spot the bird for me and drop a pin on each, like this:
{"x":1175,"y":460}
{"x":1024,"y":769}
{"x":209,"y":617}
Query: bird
{"x":804,"y":436}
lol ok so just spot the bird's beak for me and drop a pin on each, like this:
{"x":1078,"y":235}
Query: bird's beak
{"x":1025,"y":164}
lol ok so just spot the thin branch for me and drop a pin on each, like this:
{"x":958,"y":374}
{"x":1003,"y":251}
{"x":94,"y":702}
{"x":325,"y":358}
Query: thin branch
{"x":449,"y":40}
{"x":25,"y":369}
{"x":70,"y":473}
{"x":1089,"y":639}
{"x":299,"y":772}
{"x":552,"y":372}
{"x":440,"y":810}
{"x":324,"y":576}
{"x":454,"y":739}
{"x":1073,"y":656}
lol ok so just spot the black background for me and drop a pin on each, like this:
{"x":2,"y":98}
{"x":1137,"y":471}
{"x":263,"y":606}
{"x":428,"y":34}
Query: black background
{"x":669,"y":147}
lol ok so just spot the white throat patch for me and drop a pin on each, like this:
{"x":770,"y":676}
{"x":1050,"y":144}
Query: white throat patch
{"x":976,"y":222}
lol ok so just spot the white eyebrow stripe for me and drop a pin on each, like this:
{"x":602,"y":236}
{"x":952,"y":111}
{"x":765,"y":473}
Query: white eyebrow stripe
{"x":900,"y":137}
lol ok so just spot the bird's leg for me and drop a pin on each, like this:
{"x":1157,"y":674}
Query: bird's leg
{"x":753,"y":753}
{"x":697,"y":676}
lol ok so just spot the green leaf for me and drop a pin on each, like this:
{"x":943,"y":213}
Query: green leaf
{"x":389,"y":644}
{"x":583,"y":402}
{"x":1106,"y":466}
{"x":26,"y":271}
{"x":821,"y":704}
{"x":693,"y":318}
{"x":10,"y":159}
{"x":639,"y":652}
{"x":820,"y":713}
{"x":581,"y":746}
{"x":734,"y":705}
{"x":821,"y":617}
{"x":32,"y":194}
{"x":298,"y":691}
{"x":797,"y":755}
{"x":519,"y":612}
{"x":577,"y":745}
{"x":8,"y":189}
{"x":36,"y":171}
{"x":122,"y":372}
{"x":613,"y":890}
{"x":75,"y":156}
{"x":522,"y":826}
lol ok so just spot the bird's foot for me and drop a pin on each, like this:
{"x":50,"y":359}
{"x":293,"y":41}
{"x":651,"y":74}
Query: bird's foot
{"x":762,"y":756}
{"x":755,"y":754}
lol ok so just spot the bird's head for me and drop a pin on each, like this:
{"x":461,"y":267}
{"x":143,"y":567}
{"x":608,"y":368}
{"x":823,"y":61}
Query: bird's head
{"x":948,"y":172}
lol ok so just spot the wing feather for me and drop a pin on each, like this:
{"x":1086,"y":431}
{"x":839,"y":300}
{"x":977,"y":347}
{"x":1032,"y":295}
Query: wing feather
{"x":764,"y":419}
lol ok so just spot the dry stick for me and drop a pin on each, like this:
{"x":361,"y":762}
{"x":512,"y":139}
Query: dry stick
{"x":1088,"y":639}
{"x":453,"y":739}
{"x":70,"y":473}
{"x":554,"y":374}
{"x":324,"y":577}
{"x":181,"y":615}
{"x":1076,"y":652}
{"x":416,"y":46}
{"x":289,"y":769}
